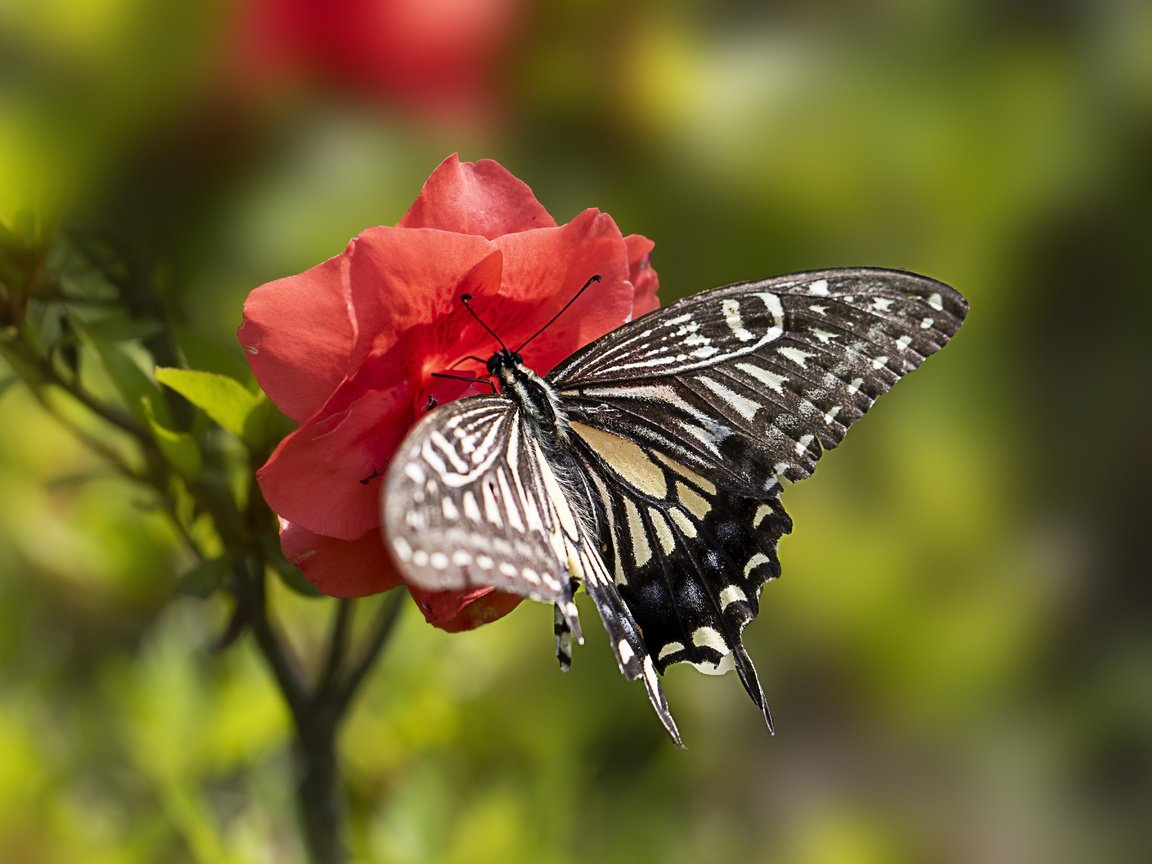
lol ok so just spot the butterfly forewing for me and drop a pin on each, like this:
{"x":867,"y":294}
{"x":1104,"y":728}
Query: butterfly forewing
{"x":746,"y":383}
{"x":473,"y":502}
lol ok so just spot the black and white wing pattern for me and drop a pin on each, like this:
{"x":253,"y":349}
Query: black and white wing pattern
{"x":648,"y":465}
{"x":474,"y":502}
{"x":687,"y":420}
{"x":479,"y":497}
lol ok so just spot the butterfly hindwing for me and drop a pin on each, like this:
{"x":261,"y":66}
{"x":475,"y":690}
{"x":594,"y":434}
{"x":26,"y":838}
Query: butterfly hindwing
{"x":688,"y":559}
{"x":473,"y":502}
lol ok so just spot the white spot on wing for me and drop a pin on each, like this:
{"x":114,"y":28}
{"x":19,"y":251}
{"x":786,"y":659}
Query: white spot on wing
{"x":731,"y":311}
{"x":936,"y":302}
{"x":640,"y":546}
{"x":449,"y":508}
{"x":690,"y":498}
{"x":471,"y":508}
{"x":800,"y":358}
{"x":663,"y":530}
{"x":823,"y":335}
{"x":707,"y":637}
{"x":762,"y":513}
{"x":625,"y":651}
{"x":732,"y":594}
{"x":819,"y":288}
{"x":686,"y":525}
{"x":743,"y":406}
{"x":774,"y":381}
{"x":754,"y":562}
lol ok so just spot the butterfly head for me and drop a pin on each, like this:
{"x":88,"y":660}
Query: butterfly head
{"x":502,"y":360}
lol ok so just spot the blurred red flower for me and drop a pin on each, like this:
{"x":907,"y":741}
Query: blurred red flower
{"x":434,"y":56}
{"x":347,"y":349}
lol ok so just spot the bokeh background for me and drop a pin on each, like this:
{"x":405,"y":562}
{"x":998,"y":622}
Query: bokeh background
{"x":959,"y":655}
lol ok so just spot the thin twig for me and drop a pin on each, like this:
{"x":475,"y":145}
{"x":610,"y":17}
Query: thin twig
{"x":249,"y":589}
{"x":385,"y":625}
{"x":338,"y":638}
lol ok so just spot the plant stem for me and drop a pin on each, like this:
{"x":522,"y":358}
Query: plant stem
{"x":320,"y":797}
{"x":318,"y":709}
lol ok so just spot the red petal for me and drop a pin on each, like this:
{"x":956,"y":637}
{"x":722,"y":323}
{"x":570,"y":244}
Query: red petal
{"x":340,"y":568}
{"x":544,"y":269}
{"x":298,"y":335}
{"x":643,"y":277}
{"x":316,"y":476}
{"x":455,"y":611}
{"x":481,"y":198}
{"x":406,"y":286}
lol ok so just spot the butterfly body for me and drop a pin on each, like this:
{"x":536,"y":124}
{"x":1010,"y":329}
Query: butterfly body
{"x":647,"y":467}
{"x":533,"y":395}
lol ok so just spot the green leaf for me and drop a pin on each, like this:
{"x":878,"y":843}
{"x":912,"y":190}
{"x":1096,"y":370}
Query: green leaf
{"x":134,"y":385}
{"x":179,"y":448}
{"x":223,"y":399}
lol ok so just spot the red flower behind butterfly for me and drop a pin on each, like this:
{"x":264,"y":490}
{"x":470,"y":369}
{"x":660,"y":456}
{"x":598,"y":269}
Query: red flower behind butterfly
{"x":347,"y":350}
{"x":434,"y":57}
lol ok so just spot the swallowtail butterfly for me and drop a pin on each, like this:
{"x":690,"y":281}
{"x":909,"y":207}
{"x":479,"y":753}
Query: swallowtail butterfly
{"x":647,"y":467}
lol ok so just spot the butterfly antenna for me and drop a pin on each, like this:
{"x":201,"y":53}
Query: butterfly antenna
{"x":466,"y":299}
{"x":552,"y":320}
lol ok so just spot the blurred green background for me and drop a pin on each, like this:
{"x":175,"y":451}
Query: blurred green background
{"x":959,"y":655}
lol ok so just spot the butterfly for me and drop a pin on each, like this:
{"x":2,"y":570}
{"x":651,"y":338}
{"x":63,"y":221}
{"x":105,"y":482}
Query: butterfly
{"x":647,"y":467}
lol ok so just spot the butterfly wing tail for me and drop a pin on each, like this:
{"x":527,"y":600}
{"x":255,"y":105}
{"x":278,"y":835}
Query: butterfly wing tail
{"x":624,"y":635}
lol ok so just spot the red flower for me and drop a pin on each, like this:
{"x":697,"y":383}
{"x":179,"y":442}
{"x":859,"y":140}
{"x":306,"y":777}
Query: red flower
{"x":347,"y":349}
{"x":438,"y":57}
